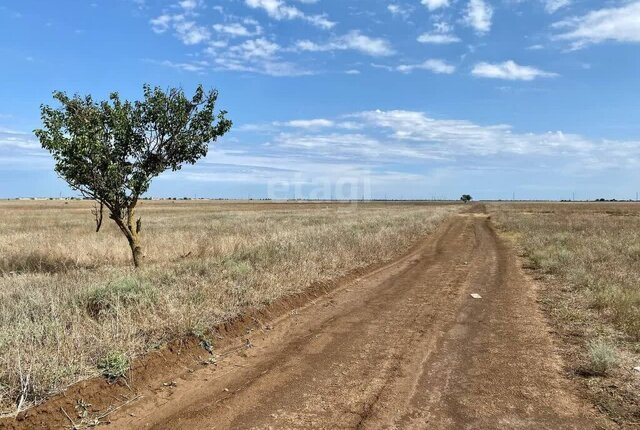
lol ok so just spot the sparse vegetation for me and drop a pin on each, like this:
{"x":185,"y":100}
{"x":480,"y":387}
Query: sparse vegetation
{"x":587,"y":254}
{"x":110,"y":299}
{"x":602,"y":356}
{"x":71,"y":307}
{"x":115,"y":365}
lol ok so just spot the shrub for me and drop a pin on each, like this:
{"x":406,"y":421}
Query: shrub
{"x":115,"y":365}
{"x":602,"y":356}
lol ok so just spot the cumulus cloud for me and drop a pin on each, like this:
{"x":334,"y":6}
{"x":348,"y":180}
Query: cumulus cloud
{"x":399,"y":10}
{"x":432,"y":65}
{"x":438,"y":39}
{"x":478,"y":15}
{"x":161,"y":23}
{"x":435,"y":4}
{"x":353,"y":40}
{"x":618,"y":24}
{"x":509,"y":70}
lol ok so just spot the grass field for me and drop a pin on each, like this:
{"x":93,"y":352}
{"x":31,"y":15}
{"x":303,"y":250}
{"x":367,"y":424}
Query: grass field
{"x":588,"y":257}
{"x":71,"y":307}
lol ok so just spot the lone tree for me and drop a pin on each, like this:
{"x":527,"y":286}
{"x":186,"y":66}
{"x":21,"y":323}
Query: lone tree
{"x":466,"y":198}
{"x":110,"y":151}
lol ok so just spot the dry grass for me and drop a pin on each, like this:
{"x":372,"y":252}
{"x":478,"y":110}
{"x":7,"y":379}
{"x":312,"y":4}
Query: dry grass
{"x":589,"y":257}
{"x":69,"y":302}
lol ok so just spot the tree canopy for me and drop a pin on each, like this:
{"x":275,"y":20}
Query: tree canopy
{"x":111,"y":150}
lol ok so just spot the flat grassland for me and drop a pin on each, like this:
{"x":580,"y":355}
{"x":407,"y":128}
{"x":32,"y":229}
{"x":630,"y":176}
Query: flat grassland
{"x":587,"y":256}
{"x":69,"y":298}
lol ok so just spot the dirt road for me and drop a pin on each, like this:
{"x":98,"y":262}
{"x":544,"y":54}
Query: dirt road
{"x":403,"y":347}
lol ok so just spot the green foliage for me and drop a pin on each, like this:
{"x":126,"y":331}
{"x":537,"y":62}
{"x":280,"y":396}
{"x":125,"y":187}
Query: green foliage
{"x":111,"y":150}
{"x":114,"y":365}
{"x":466,"y":198}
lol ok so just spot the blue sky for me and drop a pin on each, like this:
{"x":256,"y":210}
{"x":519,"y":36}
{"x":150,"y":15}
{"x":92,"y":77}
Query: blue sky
{"x":387,"y":98}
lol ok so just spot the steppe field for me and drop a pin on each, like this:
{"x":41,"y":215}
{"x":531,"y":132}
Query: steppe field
{"x":69,"y":298}
{"x":586,"y":257}
{"x":494,"y":315}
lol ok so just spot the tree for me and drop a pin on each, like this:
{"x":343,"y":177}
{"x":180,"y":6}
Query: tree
{"x":466,"y":198}
{"x":110,"y":151}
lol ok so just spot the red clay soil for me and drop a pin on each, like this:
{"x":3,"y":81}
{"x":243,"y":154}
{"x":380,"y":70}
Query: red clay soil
{"x":402,"y":346}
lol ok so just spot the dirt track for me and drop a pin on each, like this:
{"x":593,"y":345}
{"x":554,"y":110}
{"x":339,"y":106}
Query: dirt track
{"x":402,"y":347}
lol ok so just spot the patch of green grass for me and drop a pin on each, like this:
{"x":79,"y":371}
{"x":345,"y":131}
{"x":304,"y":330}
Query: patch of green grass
{"x":122,"y":293}
{"x":237,"y":268}
{"x":114,"y":365}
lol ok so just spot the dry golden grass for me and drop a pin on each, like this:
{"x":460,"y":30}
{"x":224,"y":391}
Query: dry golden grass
{"x":588,"y":254}
{"x":70,"y":303}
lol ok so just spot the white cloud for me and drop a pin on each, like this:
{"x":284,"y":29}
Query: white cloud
{"x":256,"y":48}
{"x":552,"y":6}
{"x":457,"y":138}
{"x":509,"y":70}
{"x":198,"y":66}
{"x":438,"y":38}
{"x":189,"y":4}
{"x":399,"y":10}
{"x":400,"y":136}
{"x":185,"y":29}
{"x":442,"y":34}
{"x":353,"y":40}
{"x":478,"y":15}
{"x":17,"y":139}
{"x":320,"y":21}
{"x":237,"y":30}
{"x":254,"y":56}
{"x":432,"y":65}
{"x":161,"y":23}
{"x":619,"y":24}
{"x":191,"y":33}
{"x":312,"y":123}
{"x":435,"y":4}
{"x":279,"y":10}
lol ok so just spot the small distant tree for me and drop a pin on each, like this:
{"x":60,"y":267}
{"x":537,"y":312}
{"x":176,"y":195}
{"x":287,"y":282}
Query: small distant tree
{"x":466,"y":198}
{"x":110,"y":151}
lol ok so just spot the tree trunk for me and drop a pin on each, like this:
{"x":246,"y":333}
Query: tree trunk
{"x":134,"y":228}
{"x":136,"y":252}
{"x":97,"y":212}
{"x":131,"y":229}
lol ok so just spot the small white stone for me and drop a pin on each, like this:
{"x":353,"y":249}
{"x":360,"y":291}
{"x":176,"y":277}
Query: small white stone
{"x":476,"y":296}
{"x":637,"y":369}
